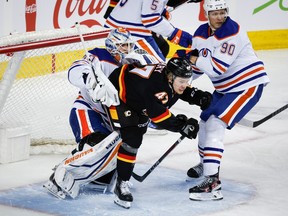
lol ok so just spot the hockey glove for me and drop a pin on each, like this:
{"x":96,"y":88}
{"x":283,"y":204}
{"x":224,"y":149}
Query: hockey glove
{"x":97,"y":90}
{"x":181,"y":38}
{"x":201,"y":98}
{"x":193,"y":52}
{"x":194,"y":1}
{"x":182,"y":117}
{"x":190,"y":129}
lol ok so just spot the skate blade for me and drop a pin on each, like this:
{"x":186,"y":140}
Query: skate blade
{"x":214,"y":195}
{"x":53,"y":190}
{"x":124,"y":204}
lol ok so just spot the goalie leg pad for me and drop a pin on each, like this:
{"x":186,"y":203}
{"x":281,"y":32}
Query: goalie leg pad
{"x":91,"y":163}
{"x":66,"y":182}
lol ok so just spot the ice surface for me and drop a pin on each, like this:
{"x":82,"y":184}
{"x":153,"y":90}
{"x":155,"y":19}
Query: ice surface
{"x":254,"y":169}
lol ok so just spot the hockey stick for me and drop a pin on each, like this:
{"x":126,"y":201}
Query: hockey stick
{"x":141,"y":178}
{"x":174,"y":5}
{"x":253,"y":124}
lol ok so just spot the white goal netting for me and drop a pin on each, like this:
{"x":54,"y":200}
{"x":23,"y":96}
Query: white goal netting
{"x":35,"y":91}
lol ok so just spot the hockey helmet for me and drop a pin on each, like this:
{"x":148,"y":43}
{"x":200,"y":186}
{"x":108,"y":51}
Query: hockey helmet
{"x":115,"y":41}
{"x":179,"y":67}
{"x":212,"y":5}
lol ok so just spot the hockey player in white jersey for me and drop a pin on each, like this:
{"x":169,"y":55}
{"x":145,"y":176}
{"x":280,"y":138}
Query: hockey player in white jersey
{"x":94,"y":158}
{"x":222,"y":51}
{"x":141,"y":18}
{"x":170,"y":6}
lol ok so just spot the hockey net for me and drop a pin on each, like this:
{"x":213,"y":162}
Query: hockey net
{"x":34,"y":89}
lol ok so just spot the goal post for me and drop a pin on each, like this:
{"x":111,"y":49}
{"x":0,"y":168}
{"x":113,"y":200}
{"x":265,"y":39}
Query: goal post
{"x":34,"y":88}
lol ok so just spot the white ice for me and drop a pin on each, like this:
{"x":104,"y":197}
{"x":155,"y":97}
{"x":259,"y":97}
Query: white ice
{"x":255,"y":162}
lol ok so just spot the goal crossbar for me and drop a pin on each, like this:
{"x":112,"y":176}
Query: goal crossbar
{"x":34,"y":90}
{"x":52,"y":42}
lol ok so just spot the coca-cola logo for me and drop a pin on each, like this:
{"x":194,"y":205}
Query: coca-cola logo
{"x":31,"y":8}
{"x":75,"y":10}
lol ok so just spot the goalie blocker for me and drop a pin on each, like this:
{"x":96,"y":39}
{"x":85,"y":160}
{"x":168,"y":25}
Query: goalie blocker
{"x":84,"y":167}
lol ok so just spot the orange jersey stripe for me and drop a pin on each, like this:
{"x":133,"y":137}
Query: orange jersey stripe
{"x":213,"y":155}
{"x":110,"y":158}
{"x":84,"y":125}
{"x":218,"y":65}
{"x":241,"y":77}
{"x":79,"y":97}
{"x":150,"y":20}
{"x":122,"y":86}
{"x":145,"y":47}
{"x":162,"y":117}
{"x":226,"y":118}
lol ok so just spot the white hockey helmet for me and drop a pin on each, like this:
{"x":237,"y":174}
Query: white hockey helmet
{"x":116,"y":40}
{"x":212,"y":5}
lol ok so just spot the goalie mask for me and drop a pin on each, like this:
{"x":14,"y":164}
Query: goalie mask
{"x":119,"y":43}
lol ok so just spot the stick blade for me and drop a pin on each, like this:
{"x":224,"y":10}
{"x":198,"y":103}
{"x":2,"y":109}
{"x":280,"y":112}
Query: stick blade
{"x":137,"y":177}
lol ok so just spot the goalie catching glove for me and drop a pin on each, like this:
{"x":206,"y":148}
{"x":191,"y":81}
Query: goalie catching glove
{"x":98,"y":91}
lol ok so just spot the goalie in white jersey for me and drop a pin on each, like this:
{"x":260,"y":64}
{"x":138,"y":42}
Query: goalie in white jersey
{"x":141,"y":18}
{"x":222,"y":51}
{"x":94,"y":158}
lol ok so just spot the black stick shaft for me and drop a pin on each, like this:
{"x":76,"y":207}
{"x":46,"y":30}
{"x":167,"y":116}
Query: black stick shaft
{"x":141,"y":178}
{"x":253,"y":124}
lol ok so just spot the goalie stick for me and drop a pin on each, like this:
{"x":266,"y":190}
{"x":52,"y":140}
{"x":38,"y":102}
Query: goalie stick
{"x":253,"y":124}
{"x":141,"y":178}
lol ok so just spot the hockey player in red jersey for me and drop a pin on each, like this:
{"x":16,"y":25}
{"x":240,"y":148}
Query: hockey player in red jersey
{"x":222,"y":51}
{"x":147,"y":92}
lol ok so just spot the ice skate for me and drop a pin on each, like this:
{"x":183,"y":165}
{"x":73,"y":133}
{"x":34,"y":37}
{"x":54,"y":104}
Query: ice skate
{"x":123,"y":196}
{"x":53,"y":188}
{"x":209,"y":189}
{"x":195,"y":172}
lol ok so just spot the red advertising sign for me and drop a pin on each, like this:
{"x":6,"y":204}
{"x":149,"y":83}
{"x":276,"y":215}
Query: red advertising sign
{"x":30,"y":15}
